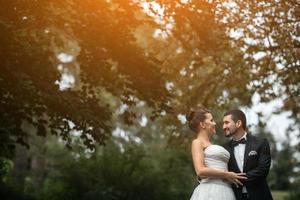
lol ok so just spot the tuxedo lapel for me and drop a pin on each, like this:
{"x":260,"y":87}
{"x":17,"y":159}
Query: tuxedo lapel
{"x":247,"y":150}
{"x":233,"y":163}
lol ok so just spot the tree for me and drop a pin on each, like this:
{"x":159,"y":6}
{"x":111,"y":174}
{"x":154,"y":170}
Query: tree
{"x":123,"y":169}
{"x":34,"y":35}
{"x":213,"y":53}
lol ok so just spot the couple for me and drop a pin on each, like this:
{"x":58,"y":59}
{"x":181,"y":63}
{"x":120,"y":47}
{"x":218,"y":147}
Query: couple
{"x":236,"y":171}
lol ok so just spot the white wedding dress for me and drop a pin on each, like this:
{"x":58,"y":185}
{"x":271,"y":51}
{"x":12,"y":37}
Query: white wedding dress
{"x":217,"y":157}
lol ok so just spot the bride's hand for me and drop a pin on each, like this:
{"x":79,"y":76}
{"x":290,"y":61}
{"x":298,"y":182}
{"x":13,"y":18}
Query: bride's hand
{"x":235,"y":178}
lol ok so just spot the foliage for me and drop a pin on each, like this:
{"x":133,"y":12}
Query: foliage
{"x":34,"y":35}
{"x":294,"y":187}
{"x":284,"y":168}
{"x":129,"y":53}
{"x":112,"y":48}
{"x":294,"y":194}
{"x":120,"y":170}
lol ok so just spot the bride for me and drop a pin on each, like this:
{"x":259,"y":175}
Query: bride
{"x":210,"y":160}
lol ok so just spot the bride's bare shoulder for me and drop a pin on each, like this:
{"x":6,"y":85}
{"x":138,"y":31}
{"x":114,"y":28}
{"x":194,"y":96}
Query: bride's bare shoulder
{"x":198,"y":143}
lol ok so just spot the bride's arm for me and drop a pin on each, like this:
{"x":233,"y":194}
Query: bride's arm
{"x":203,"y":171}
{"x":198,"y":160}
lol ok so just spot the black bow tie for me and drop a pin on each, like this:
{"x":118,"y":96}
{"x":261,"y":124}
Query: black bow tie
{"x":241,"y":141}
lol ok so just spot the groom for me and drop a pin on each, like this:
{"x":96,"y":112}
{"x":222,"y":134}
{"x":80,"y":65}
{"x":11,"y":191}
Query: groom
{"x":249,"y":155}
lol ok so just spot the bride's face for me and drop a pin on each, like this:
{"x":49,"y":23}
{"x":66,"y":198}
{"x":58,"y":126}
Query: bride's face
{"x":210,"y":124}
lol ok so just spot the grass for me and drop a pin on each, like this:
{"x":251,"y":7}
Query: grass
{"x":279,"y":195}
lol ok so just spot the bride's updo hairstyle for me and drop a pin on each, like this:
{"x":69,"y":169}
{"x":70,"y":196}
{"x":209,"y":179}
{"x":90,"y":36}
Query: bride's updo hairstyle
{"x":196,"y":116}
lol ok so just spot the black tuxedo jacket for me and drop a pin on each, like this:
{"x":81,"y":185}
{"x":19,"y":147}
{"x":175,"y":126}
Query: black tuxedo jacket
{"x":257,"y":161}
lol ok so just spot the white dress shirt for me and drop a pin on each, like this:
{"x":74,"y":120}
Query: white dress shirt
{"x":239,"y":153}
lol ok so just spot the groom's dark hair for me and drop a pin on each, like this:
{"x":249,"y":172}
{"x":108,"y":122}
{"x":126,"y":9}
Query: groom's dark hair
{"x":237,"y":115}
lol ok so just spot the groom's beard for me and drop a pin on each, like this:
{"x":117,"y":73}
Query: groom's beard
{"x":231,"y":132}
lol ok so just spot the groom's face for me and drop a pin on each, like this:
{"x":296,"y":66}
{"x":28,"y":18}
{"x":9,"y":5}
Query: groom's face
{"x":229,"y":126}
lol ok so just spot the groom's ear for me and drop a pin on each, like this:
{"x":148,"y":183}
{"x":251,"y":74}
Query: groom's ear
{"x":238,"y":123}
